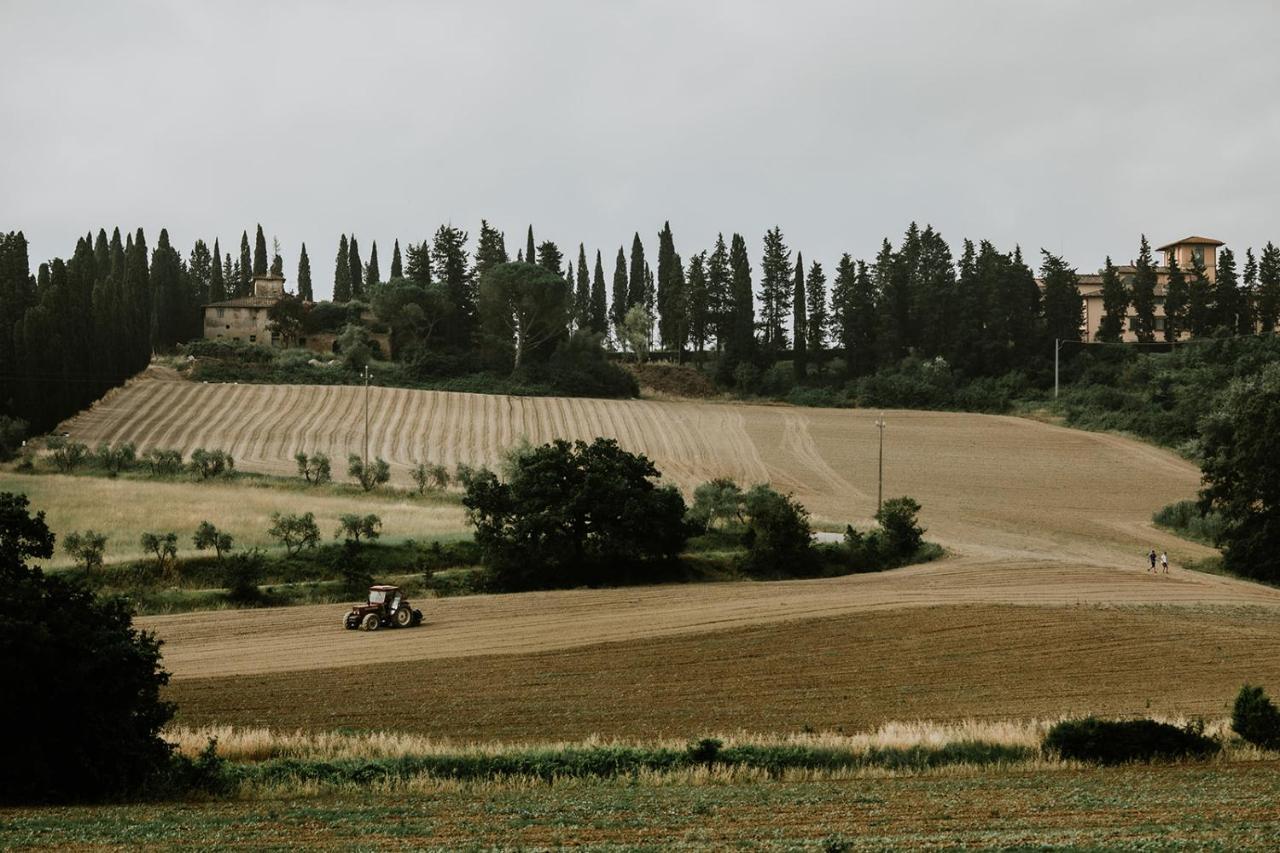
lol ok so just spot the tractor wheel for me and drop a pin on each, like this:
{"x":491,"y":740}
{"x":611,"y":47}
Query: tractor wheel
{"x":403,"y":617}
{"x":369,"y":622}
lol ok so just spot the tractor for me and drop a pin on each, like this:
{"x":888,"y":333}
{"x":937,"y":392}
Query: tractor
{"x":386,"y":608}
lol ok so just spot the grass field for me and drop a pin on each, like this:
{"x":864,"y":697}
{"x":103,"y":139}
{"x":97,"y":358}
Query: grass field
{"x":125,"y":508}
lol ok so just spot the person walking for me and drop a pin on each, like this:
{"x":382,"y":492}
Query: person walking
{"x":1151,"y":557}
{"x":1164,"y":561}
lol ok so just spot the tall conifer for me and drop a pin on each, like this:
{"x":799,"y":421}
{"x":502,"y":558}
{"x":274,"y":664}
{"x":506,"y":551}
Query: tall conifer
{"x":305,"y":291}
{"x":1144,"y":294}
{"x":491,"y":250}
{"x":530,"y":252}
{"x":599,"y":299}
{"x":1062,"y":302}
{"x":342,"y":272}
{"x":818,"y":317}
{"x":1175,"y":301}
{"x":397,"y":268}
{"x":636,"y":292}
{"x":1226,"y":292}
{"x":244,"y":281}
{"x":1268,"y":300}
{"x":260,"y":253}
{"x":355,"y":269}
{"x":775,"y":290}
{"x":372,"y":275}
{"x":582,"y":291}
{"x":1115,"y":305}
{"x":800,"y":331}
{"x":621,"y":293}
{"x":1246,"y":321}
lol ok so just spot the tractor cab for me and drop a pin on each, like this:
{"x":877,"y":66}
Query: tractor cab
{"x":386,"y":607}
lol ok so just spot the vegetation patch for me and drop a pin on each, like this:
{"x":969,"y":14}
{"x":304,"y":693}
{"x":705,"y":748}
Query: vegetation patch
{"x":1098,"y":741}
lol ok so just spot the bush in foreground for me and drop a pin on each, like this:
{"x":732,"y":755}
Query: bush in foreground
{"x":1097,"y":741}
{"x":1256,"y":718}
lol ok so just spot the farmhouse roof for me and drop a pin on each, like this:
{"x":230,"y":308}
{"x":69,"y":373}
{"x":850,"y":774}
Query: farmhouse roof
{"x":1192,"y":240}
{"x":245,"y":302}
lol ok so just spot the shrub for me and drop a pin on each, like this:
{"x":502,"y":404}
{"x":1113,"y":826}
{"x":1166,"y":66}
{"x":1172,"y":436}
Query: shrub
{"x":207,"y":536}
{"x":12,"y":432}
{"x":87,"y":547}
{"x":113,"y":460}
{"x":163,"y":463}
{"x":295,"y":532}
{"x":902,"y":535}
{"x":746,"y":377}
{"x":1186,"y":519}
{"x":778,"y":537}
{"x":1255,"y":718}
{"x":207,"y":464}
{"x":428,"y":476}
{"x":350,"y":566}
{"x":67,"y":455}
{"x":243,"y":573}
{"x":314,"y":469}
{"x":85,"y":723}
{"x":368,"y":476}
{"x":353,"y":527}
{"x":718,"y":500}
{"x":228,"y":350}
{"x":1120,"y":741}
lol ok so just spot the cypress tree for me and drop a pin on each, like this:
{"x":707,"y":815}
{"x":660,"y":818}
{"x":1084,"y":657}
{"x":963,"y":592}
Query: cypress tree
{"x":669,"y":297}
{"x":697,"y":308}
{"x":599,"y":299}
{"x":1115,"y":305}
{"x":217,"y":284}
{"x":137,"y":297}
{"x":892,"y":303}
{"x":1062,"y":302}
{"x":305,"y":292}
{"x":719,"y":293}
{"x":1269,"y":288}
{"x":342,"y":272}
{"x":740,"y":344}
{"x":582,"y":291}
{"x":1175,"y":301}
{"x":452,"y":269}
{"x":636,"y":294}
{"x":397,"y":268}
{"x":372,"y":274}
{"x":42,"y":279}
{"x":260,"y":253}
{"x":530,"y":254}
{"x":621,"y":293}
{"x":1246,"y":322}
{"x":1226,"y":293}
{"x":550,"y":257}
{"x":799,"y":359}
{"x":418,"y":267}
{"x":1144,"y":294}
{"x":355,"y":269}
{"x":200,"y":266}
{"x":116,"y":266}
{"x":491,"y":250}
{"x":244,"y":281}
{"x":934,"y":297}
{"x":775,"y":290}
{"x":102,"y":255}
{"x":818,"y":320}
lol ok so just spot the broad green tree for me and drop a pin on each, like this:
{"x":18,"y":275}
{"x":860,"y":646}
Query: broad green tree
{"x":523,"y":310}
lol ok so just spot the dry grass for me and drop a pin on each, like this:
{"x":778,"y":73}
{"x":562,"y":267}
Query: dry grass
{"x":124,"y":509}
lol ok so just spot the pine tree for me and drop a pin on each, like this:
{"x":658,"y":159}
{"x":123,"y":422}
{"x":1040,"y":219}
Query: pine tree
{"x":355,"y":266}
{"x":1144,"y":294}
{"x":1062,"y":302}
{"x":200,"y":267}
{"x":260,"y":253}
{"x":1246,"y":322}
{"x":1200,"y":308}
{"x":582,"y":292}
{"x":892,"y":303}
{"x":397,"y":269}
{"x":305,"y":292}
{"x":1226,"y":292}
{"x":635,"y":296}
{"x":719,"y":293}
{"x":934,"y":296}
{"x":244,"y":281}
{"x":866,"y":302}
{"x":550,"y":257}
{"x":1115,"y":305}
{"x":418,"y":265}
{"x":491,"y":250}
{"x":599,"y":299}
{"x":1268,"y":301}
{"x":775,"y":291}
{"x":530,"y":253}
{"x":818,"y":318}
{"x":698,"y":305}
{"x":342,"y":272}
{"x":621,"y":294}
{"x":451,"y":267}
{"x":372,"y":274}
{"x":799,"y":359}
{"x":1175,"y":301}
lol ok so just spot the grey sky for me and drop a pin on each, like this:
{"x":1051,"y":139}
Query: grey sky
{"x":1069,"y":125}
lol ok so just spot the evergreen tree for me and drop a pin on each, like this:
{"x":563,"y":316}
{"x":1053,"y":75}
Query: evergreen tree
{"x":372,"y":273}
{"x":697,"y":306}
{"x":1246,"y":321}
{"x":621,"y":294}
{"x":1063,"y":306}
{"x":217,"y":281}
{"x":1175,"y":301}
{"x":418,"y":266}
{"x":650,"y":300}
{"x":530,"y":253}
{"x":355,"y":266}
{"x":491,"y":250}
{"x":741,"y":342}
{"x":719,"y":293}
{"x":137,"y":295}
{"x":451,"y":267}
{"x":893,"y":303}
{"x":397,"y":268}
{"x":277,"y":260}
{"x":818,"y":319}
{"x":1268,"y":300}
{"x":1200,"y":313}
{"x":260,"y":253}
{"x":1115,"y":305}
{"x":775,"y":291}
{"x":635,"y":296}
{"x":599,"y":299}
{"x":305,"y":291}
{"x":201,"y":268}
{"x":342,"y":272}
{"x":800,"y":356}
{"x":550,"y":258}
{"x":934,"y":296}
{"x":670,"y":296}
{"x":1144,"y":294}
{"x":168,"y":320}
{"x":1226,"y":292}
{"x":582,"y":292}
{"x":244,"y":281}
{"x":102,"y":255}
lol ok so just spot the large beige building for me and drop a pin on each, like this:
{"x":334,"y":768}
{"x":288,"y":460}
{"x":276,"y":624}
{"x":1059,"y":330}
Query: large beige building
{"x":245,"y":318}
{"x":1186,"y":251}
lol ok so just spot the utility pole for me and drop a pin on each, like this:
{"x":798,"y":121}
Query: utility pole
{"x":366,"y":420}
{"x":880,"y":485}
{"x":1057,"y":346}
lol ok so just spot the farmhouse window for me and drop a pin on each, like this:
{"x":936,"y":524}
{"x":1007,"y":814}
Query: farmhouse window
{"x":253,"y":339}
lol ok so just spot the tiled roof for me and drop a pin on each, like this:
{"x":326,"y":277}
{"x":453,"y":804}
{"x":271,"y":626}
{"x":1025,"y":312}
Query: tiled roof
{"x":246,"y":302}
{"x":1193,"y":240}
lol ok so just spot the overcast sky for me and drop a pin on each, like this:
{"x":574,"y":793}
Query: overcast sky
{"x":1067,"y":125}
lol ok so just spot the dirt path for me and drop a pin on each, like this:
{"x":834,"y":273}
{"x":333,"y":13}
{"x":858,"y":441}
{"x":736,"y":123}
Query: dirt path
{"x":1032,"y":513}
